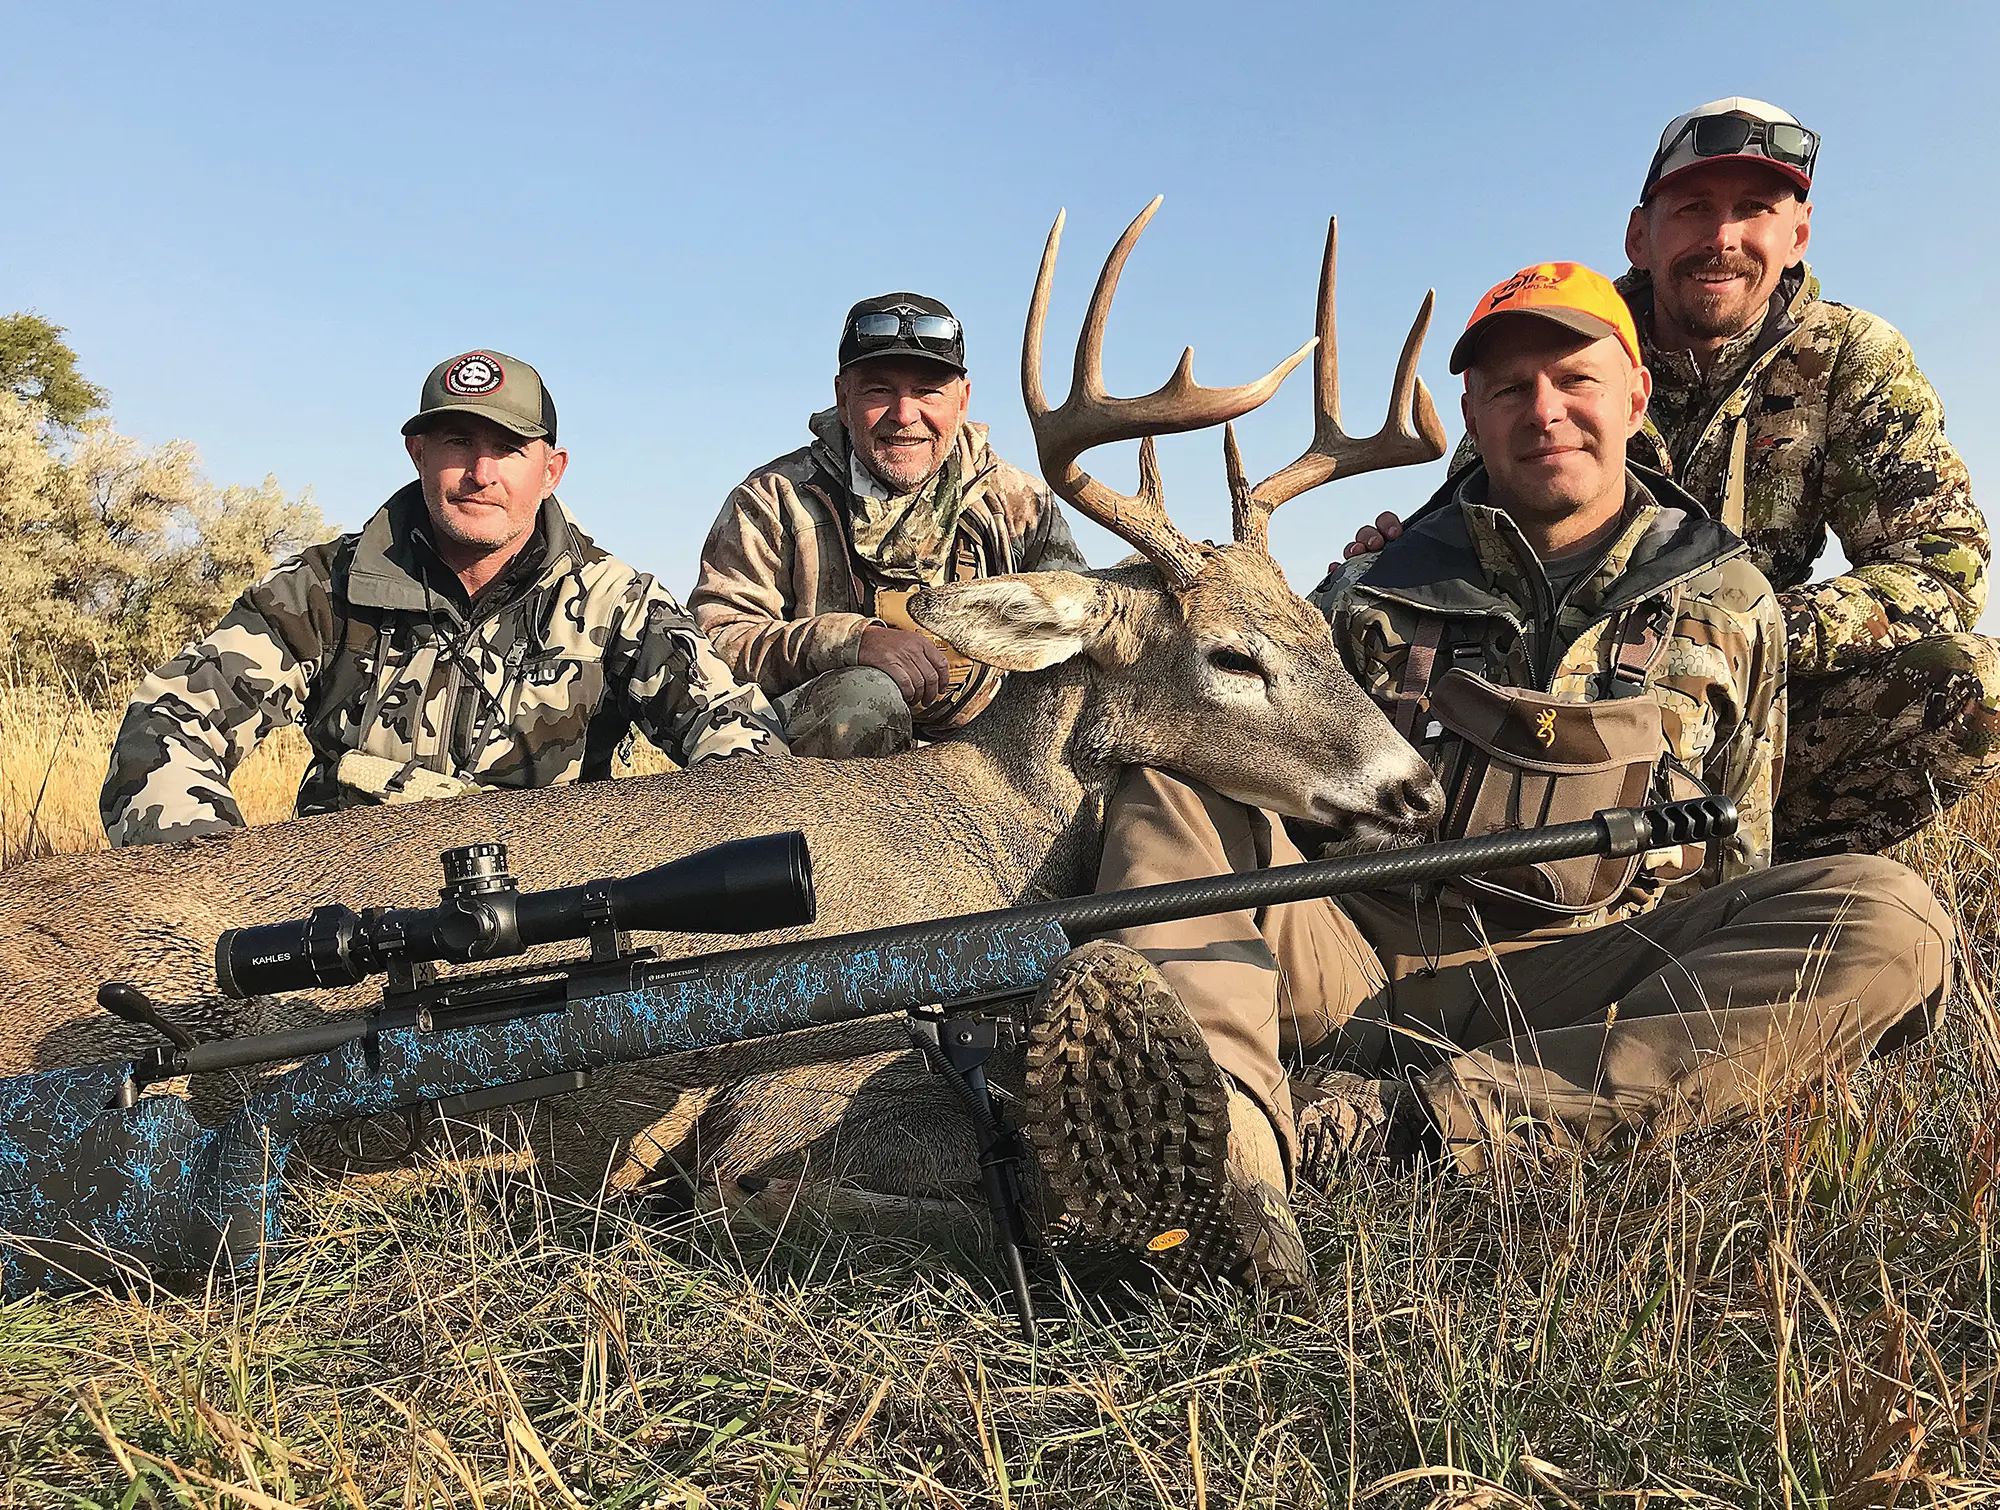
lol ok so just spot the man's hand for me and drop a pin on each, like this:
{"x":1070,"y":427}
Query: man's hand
{"x":1369,"y":539}
{"x":913,"y":663}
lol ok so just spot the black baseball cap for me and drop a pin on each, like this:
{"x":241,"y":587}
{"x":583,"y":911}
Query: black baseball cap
{"x":925,"y":328}
{"x":492,"y":385}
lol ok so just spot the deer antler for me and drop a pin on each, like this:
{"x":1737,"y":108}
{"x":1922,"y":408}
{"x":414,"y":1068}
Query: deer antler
{"x":1411,"y":434}
{"x":1088,"y":417}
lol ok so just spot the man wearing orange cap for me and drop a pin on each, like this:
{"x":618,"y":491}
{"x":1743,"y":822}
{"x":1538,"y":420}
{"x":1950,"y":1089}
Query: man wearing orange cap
{"x":1559,"y":631}
{"x":1793,"y":417}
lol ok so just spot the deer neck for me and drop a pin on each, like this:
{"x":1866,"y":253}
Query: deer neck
{"x":1030,"y":778}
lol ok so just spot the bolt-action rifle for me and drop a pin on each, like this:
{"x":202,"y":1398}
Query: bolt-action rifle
{"x":100,"y":1180}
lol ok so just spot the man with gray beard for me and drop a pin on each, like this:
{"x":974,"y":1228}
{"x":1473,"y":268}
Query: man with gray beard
{"x":809,"y":568}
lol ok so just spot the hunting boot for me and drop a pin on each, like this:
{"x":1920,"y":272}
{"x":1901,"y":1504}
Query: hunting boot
{"x":1343,"y":1121}
{"x":1149,"y":1154}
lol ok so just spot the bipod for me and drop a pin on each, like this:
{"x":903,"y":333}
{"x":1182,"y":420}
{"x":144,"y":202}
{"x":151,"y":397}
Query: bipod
{"x":957,"y":1045}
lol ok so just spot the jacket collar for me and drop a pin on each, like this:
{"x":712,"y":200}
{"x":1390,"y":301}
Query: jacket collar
{"x":394,"y":566}
{"x":1796,"y":293}
{"x":1460,"y":555}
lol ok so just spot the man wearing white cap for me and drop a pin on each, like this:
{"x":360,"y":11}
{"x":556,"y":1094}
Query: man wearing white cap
{"x":1793,"y":417}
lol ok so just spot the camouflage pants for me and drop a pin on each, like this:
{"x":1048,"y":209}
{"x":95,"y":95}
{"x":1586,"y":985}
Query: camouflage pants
{"x":852,"y":714}
{"x":1874,"y":753}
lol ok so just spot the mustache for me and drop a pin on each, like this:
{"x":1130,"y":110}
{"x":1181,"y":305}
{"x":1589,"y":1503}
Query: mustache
{"x":1739,"y":265}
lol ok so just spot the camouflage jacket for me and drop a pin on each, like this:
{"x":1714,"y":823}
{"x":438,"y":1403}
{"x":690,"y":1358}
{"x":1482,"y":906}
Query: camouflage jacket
{"x":1819,"y":420}
{"x":370,"y":643}
{"x":784,"y":594}
{"x":1719,"y":675}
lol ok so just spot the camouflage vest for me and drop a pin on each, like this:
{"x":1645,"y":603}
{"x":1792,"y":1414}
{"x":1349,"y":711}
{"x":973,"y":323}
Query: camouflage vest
{"x":1673,"y":611}
{"x":929,"y":544}
{"x":1818,"y":422}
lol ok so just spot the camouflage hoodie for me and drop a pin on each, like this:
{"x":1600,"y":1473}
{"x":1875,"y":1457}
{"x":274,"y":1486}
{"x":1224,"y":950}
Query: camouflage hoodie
{"x":1720,"y":673}
{"x":370,"y":642}
{"x":784,"y":593}
{"x":1819,"y":420}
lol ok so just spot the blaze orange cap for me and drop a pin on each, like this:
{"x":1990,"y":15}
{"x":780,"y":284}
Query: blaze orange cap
{"x":1567,"y":294}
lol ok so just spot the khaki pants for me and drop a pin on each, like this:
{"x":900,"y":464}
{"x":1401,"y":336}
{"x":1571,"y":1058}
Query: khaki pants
{"x":1696,"y":1011}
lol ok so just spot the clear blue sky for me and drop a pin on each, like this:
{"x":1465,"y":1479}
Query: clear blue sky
{"x":262,"y":224}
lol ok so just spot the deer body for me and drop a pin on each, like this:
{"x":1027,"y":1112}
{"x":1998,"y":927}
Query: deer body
{"x":933,"y":831}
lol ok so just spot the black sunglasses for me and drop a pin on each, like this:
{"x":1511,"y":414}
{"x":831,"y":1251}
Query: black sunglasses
{"x":1736,"y":135}
{"x":890,"y":325}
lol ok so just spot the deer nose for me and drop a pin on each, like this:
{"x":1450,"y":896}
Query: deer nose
{"x":1417,"y":800}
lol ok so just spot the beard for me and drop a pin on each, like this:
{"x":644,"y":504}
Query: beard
{"x":1709,"y":313}
{"x":480,"y":530}
{"x":905,"y":472}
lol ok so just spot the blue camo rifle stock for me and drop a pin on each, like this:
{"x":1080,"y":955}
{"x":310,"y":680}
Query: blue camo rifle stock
{"x":100,"y":1180}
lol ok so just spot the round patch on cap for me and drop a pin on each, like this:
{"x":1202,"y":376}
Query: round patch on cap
{"x":1173,"y":1237}
{"x":473,"y":375}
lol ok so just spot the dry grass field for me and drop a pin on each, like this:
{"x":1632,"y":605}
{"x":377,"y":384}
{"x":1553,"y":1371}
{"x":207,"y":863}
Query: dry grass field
{"x":1801,"y":1312}
{"x":53,"y":751}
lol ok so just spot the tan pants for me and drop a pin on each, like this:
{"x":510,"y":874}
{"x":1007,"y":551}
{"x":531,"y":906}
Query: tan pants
{"x":1699,"y":1010}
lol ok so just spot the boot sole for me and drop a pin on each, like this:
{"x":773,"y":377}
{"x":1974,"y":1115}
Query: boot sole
{"x":1129,"y":1118}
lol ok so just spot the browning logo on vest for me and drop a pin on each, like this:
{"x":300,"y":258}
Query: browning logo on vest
{"x":1507,"y":767}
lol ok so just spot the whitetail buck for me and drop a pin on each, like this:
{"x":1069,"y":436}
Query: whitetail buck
{"x":1200,"y":661}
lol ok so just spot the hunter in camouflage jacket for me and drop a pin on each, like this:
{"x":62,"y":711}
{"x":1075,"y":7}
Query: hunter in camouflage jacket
{"x":1818,"y":420}
{"x":371,"y":644}
{"x":791,"y":567}
{"x":1718,"y":674}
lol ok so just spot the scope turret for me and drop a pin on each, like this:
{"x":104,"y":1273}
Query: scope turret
{"x":743,"y":886}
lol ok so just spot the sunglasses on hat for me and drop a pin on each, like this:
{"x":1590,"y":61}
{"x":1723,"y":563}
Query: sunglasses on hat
{"x":1738,"y":136}
{"x":883,"y":326}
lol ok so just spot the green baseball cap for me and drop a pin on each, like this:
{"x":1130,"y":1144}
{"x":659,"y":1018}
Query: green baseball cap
{"x":492,"y":385}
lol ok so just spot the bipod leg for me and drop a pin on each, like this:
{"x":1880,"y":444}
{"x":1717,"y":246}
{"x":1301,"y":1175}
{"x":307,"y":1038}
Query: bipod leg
{"x":958,"y":1048}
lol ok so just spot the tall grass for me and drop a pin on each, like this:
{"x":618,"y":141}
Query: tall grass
{"x":1802,"y":1312}
{"x":54,"y":748}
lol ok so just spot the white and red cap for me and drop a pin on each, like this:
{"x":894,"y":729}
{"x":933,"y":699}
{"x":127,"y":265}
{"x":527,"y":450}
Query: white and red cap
{"x":1688,"y":143}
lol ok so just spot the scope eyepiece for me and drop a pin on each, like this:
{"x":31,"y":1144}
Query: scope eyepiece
{"x":743,"y":886}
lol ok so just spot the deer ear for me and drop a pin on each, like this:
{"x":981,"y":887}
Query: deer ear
{"x":1020,"y":623}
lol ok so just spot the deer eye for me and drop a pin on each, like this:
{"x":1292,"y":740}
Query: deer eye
{"x":1236,"y":663}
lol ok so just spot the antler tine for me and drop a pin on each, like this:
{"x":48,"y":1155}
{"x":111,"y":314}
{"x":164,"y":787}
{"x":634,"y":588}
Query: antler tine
{"x":1239,"y":483}
{"x":1412,"y":433}
{"x":1089,"y":417}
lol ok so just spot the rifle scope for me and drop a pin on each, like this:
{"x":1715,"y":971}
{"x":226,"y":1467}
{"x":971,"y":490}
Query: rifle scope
{"x":743,"y":886}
